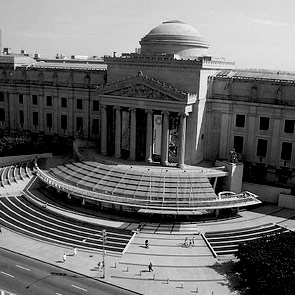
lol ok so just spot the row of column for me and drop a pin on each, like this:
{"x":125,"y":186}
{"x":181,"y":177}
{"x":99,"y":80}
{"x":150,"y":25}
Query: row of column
{"x":149,"y":135}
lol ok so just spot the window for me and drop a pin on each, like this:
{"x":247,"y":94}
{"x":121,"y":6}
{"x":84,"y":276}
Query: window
{"x":289,"y":126}
{"x":49,"y":101}
{"x":79,"y":121}
{"x":261,"y":148}
{"x":1,"y":96}
{"x":240,"y":121}
{"x":20,"y":98}
{"x":2,"y":115}
{"x":64,"y":122}
{"x":79,"y":104}
{"x":264,"y":123}
{"x":64,"y":102}
{"x":238,"y":144}
{"x":95,"y":105}
{"x":21,"y":117}
{"x":49,"y":120}
{"x":286,"y":151}
{"x":35,"y":118}
{"x":35,"y":99}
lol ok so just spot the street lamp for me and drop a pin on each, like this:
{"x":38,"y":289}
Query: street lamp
{"x":104,"y":239}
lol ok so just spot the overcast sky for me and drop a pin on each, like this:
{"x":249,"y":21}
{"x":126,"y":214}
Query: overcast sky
{"x":254,"y":33}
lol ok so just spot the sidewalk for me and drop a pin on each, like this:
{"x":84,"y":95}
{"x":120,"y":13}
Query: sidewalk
{"x":177,"y":269}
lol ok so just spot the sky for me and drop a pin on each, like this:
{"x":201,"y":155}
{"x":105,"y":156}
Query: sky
{"x":253,"y":33}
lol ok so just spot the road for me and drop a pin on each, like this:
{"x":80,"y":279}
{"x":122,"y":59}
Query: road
{"x":27,"y":276}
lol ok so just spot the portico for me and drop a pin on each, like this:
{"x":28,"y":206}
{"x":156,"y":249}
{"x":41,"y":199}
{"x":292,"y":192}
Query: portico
{"x":138,"y":115}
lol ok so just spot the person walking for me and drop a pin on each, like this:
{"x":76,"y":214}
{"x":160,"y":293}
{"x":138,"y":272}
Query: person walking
{"x":75,"y":251}
{"x":185,"y":242}
{"x":64,"y":257}
{"x":193,"y":240}
{"x":150,"y":267}
{"x":146,"y":243}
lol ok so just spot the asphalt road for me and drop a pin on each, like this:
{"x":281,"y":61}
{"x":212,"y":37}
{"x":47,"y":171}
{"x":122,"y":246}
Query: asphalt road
{"x":27,"y":276}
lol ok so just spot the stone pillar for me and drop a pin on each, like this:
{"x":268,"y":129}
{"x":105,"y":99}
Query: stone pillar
{"x":103,"y":130}
{"x":165,"y":139}
{"x":224,"y":138}
{"x":118,"y":132}
{"x":181,"y":141}
{"x":149,"y":136}
{"x":274,"y":144}
{"x":132,"y":134}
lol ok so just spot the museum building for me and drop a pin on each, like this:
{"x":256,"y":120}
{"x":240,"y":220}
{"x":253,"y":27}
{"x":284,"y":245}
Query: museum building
{"x":169,"y":103}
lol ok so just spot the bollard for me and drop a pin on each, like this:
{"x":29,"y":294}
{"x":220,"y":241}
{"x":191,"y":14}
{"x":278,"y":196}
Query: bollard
{"x":167,"y":281}
{"x":181,"y":285}
{"x":154,"y":276}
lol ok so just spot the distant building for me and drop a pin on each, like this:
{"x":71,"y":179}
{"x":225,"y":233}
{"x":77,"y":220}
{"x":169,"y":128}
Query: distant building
{"x":169,"y":102}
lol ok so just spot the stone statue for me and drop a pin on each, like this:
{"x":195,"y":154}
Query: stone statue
{"x":233,"y":157}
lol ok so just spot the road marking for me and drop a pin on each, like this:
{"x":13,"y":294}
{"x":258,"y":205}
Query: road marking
{"x":79,"y":288}
{"x":7,"y":274}
{"x":23,"y":267}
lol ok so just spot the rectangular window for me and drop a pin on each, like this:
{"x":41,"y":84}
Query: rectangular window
{"x":240,"y":121}
{"x":49,"y":101}
{"x":79,"y":125}
{"x":21,"y":117}
{"x":35,"y":118}
{"x":35,"y":99}
{"x":64,"y":102}
{"x":264,"y":123}
{"x":79,"y":104}
{"x":289,"y":126}
{"x":261,"y":148}
{"x":238,"y":144}
{"x":49,"y":120}
{"x":2,"y":115}
{"x":64,"y":122}
{"x":96,"y":105}
{"x":20,"y":98}
{"x":1,"y":96}
{"x":286,"y":151}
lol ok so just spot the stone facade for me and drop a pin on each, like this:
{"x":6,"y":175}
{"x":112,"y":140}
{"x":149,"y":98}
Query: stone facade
{"x":203,"y":106}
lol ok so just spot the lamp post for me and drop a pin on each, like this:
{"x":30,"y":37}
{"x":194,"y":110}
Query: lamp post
{"x":104,"y":238}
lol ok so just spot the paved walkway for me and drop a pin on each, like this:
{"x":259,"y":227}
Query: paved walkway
{"x":176,"y":269}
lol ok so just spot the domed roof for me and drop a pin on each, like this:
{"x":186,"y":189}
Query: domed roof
{"x":174,"y":37}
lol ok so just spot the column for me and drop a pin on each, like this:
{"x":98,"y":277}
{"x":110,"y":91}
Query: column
{"x":165,"y":139}
{"x":274,"y":142}
{"x":181,"y":141}
{"x":149,"y":136}
{"x":103,"y":130}
{"x":118,"y":132}
{"x":224,"y":137}
{"x":132,"y":134}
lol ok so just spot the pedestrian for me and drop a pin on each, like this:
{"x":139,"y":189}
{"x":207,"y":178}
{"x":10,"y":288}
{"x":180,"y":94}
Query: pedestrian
{"x":45,"y":205}
{"x":150,"y":267}
{"x":99,"y":266}
{"x":193,"y":240}
{"x":146,"y":243}
{"x":75,"y":251}
{"x":185,"y":241}
{"x":64,"y":257}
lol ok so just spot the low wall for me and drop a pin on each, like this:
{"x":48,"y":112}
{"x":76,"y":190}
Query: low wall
{"x":286,"y":201}
{"x":4,"y":161}
{"x":265,"y":193}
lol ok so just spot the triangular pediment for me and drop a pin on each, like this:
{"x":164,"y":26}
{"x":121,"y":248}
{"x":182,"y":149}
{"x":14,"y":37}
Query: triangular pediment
{"x":143,"y":87}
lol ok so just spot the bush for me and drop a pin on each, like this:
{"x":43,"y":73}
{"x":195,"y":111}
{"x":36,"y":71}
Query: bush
{"x":267,"y":265}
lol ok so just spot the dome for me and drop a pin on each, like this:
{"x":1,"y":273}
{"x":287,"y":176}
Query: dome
{"x":174,"y":37}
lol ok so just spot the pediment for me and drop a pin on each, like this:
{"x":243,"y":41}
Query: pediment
{"x":142,"y":87}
